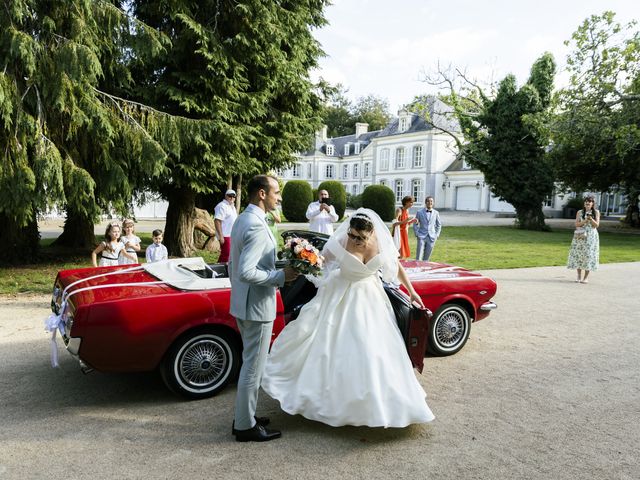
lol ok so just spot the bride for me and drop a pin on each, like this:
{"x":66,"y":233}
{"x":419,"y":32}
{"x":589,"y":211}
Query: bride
{"x":343,"y":360}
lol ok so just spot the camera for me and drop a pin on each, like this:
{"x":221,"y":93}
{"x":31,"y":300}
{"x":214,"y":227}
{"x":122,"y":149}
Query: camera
{"x":326,"y":200}
{"x":589,"y":214}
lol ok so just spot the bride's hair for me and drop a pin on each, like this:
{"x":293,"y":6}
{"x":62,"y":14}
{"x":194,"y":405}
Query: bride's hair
{"x":361,"y":222}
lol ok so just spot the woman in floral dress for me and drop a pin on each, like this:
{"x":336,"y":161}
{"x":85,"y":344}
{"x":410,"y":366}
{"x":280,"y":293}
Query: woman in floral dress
{"x":585,"y":252}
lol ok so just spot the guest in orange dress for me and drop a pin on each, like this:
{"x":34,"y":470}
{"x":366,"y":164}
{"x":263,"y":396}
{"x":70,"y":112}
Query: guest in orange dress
{"x":403,"y":220}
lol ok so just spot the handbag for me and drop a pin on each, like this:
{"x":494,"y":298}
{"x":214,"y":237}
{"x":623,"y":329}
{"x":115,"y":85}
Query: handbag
{"x":580,"y":234}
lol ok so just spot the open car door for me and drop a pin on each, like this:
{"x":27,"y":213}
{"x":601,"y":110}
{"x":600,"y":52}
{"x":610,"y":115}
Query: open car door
{"x":413,"y":322}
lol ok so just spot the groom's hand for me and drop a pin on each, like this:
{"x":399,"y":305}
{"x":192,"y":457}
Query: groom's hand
{"x":290,"y":274}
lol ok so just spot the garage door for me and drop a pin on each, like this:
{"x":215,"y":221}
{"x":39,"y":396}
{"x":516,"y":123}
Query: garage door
{"x":497,"y":205}
{"x":468,"y":198}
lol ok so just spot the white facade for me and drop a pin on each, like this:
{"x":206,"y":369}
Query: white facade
{"x":409,"y":156}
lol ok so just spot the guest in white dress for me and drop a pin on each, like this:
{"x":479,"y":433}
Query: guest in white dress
{"x":343,"y":361}
{"x":131,"y":243}
{"x":111,"y":249}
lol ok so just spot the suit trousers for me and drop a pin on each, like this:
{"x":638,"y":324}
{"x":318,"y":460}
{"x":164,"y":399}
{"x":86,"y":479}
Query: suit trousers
{"x":424,"y":248}
{"x":256,"y":338}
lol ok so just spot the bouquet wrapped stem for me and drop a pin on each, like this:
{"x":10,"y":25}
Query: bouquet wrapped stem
{"x":302,"y":256}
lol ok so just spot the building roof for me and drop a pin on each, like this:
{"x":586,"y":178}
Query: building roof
{"x":439,"y":117}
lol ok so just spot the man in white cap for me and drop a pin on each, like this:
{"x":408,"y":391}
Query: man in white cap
{"x":225,"y":216}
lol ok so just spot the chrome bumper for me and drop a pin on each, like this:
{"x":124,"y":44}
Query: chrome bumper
{"x":488,"y":306}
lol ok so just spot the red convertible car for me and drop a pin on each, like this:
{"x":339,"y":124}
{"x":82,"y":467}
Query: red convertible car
{"x":174,"y":316}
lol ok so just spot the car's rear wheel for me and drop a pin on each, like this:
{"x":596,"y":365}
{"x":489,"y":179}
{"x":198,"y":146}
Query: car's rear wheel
{"x":449,"y":330}
{"x":199,"y":364}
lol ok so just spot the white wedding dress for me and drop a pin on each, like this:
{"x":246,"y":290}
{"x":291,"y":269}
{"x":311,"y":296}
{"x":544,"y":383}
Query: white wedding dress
{"x":343,"y":360}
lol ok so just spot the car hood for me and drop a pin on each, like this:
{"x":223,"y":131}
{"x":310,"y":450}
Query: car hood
{"x":420,"y":270}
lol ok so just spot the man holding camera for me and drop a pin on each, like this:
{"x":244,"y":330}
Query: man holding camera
{"x":322,"y":214}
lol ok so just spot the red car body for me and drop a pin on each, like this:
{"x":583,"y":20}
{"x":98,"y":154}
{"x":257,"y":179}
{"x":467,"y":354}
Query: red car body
{"x":118,"y":326}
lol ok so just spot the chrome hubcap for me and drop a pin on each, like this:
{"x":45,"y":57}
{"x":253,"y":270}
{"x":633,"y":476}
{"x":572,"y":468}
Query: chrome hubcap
{"x":203,"y":363}
{"x":450,"y":329}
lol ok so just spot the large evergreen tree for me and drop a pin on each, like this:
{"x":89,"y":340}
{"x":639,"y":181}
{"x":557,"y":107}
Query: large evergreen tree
{"x":503,"y":139}
{"x":67,"y":142}
{"x":242,"y":67}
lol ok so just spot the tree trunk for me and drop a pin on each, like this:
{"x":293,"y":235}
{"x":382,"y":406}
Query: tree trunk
{"x":77,"y":233}
{"x":19,"y":244}
{"x":204,"y":231}
{"x":178,"y":237}
{"x":530,"y":218}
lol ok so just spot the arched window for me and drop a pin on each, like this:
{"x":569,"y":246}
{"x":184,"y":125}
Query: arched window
{"x":399,"y":157}
{"x":328,"y":171}
{"x":417,"y":156}
{"x":399,"y":190}
{"x":384,"y":159}
{"x":416,"y":190}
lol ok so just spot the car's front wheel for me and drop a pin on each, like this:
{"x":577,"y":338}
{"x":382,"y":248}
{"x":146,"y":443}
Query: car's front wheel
{"x":199,"y":364}
{"x":449,"y":330}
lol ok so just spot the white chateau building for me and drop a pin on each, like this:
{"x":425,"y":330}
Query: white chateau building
{"x":409,"y":156}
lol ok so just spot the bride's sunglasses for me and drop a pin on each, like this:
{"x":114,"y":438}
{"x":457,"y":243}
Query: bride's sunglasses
{"x":356,"y":238}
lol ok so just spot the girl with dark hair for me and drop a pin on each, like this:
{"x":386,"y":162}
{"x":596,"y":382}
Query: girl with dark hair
{"x":343,"y":361}
{"x":111,"y":249}
{"x":585,"y":250}
{"x":403,"y":219}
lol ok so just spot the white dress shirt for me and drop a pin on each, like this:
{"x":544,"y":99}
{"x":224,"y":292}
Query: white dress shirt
{"x":321,"y":221}
{"x":226,"y":213}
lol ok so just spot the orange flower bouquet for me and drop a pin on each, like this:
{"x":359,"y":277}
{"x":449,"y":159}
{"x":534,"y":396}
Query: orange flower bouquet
{"x":302,"y":256}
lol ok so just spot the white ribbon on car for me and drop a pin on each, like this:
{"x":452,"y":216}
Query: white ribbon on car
{"x":54,"y":323}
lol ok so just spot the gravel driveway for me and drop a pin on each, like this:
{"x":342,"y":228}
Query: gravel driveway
{"x":547,"y":387}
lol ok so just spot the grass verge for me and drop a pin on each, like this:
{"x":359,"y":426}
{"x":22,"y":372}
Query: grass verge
{"x":476,"y":248}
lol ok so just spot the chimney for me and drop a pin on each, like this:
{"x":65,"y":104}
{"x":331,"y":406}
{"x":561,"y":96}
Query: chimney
{"x":361,"y":128}
{"x":321,"y":137}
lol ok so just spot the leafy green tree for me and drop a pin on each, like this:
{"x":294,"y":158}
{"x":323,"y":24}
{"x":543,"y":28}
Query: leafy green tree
{"x":296,"y":197}
{"x":596,"y":132}
{"x":505,"y":140}
{"x":243,"y":68}
{"x":381,"y":200}
{"x":373,"y":110}
{"x":67,"y":142}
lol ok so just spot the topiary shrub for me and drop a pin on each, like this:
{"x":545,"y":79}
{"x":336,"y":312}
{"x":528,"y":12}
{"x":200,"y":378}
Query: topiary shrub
{"x":296,"y":197}
{"x":337,"y":194}
{"x":381,"y":200}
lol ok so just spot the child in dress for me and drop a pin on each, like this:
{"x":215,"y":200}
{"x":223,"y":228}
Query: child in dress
{"x":156,"y":251}
{"x":131,"y":243}
{"x":111,"y":249}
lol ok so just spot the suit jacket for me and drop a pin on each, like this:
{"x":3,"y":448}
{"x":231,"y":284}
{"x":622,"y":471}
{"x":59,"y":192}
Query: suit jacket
{"x":252,"y":268}
{"x":424,"y":228}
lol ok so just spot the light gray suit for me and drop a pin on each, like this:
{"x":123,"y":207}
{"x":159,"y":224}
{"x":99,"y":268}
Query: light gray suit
{"x":427,"y":230}
{"x":254,"y":278}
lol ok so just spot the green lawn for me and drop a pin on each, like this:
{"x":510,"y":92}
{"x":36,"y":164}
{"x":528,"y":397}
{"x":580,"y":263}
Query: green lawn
{"x":476,"y":248}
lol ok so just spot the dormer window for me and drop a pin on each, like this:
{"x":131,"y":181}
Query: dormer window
{"x":356,"y":148}
{"x":404,"y":120}
{"x":330,"y":150}
{"x":346,"y":149}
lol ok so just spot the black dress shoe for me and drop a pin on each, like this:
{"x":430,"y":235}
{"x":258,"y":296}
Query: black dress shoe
{"x":264,"y":421}
{"x":257,"y":434}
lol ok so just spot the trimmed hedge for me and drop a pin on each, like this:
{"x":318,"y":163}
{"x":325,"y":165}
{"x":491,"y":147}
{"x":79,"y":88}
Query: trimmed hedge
{"x":381,"y":200}
{"x":337,"y":194}
{"x":296,"y":197}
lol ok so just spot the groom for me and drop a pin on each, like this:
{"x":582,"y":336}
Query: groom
{"x":427,"y":229}
{"x":254,"y":278}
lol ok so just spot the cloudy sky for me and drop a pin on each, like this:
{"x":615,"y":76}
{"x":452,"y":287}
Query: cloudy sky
{"x":383,"y":47}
